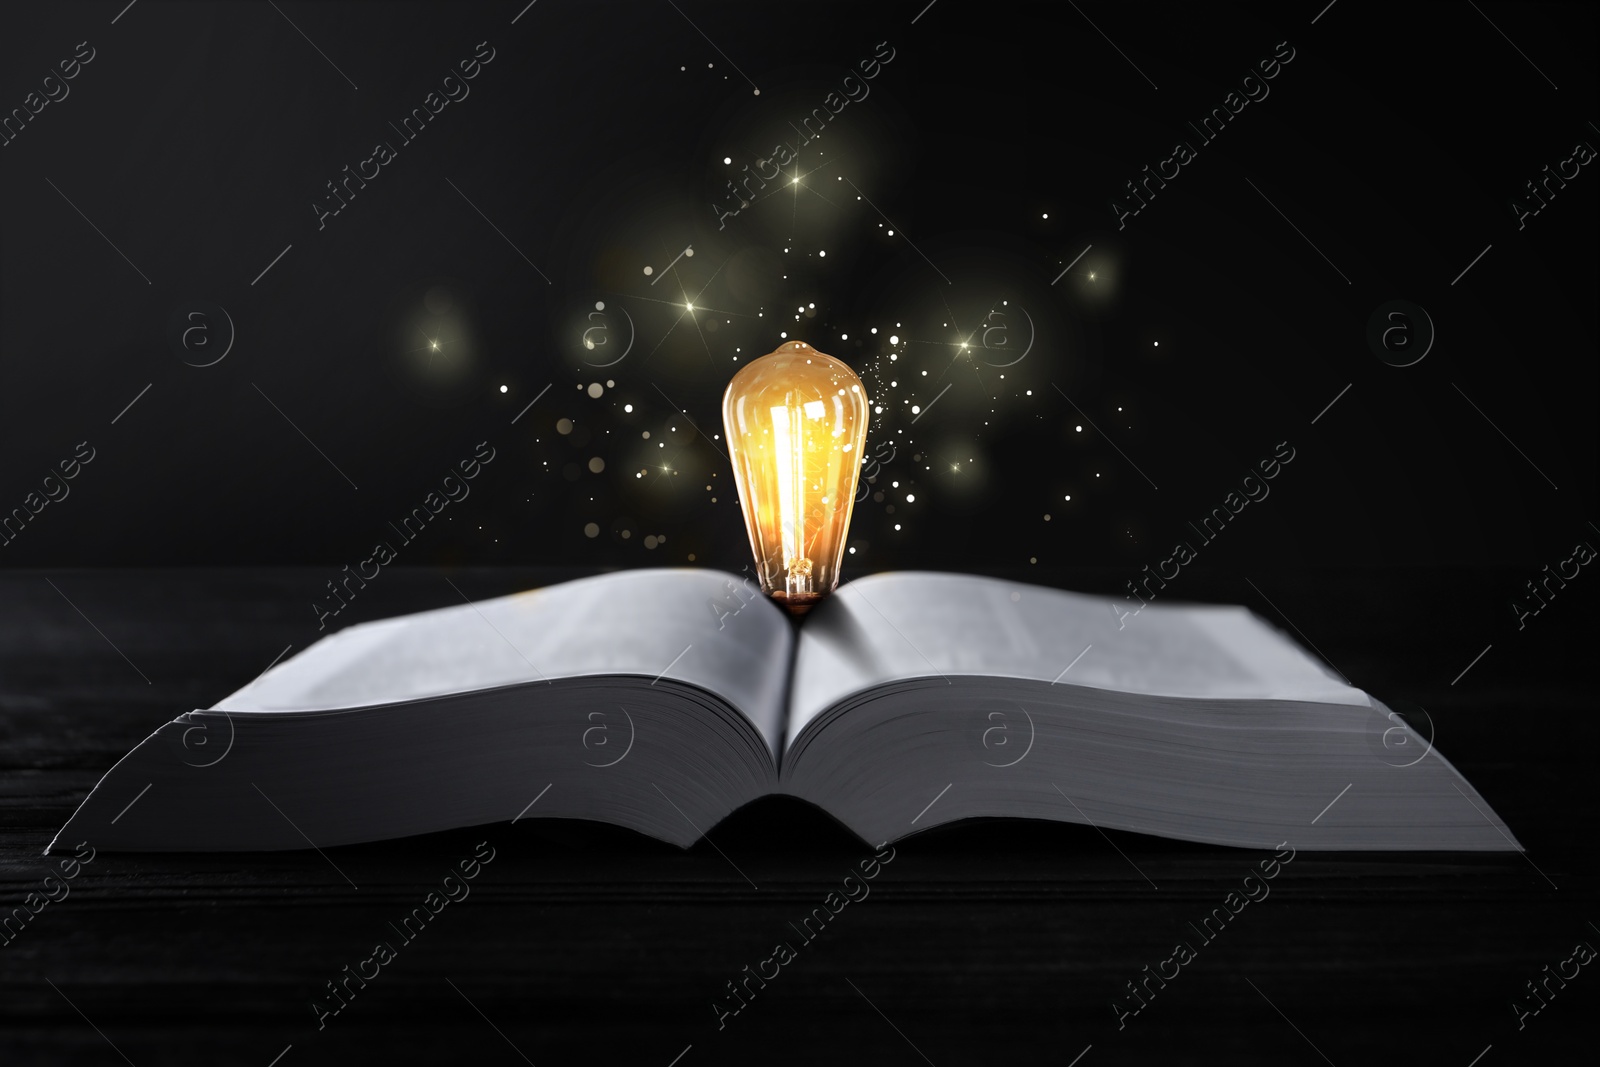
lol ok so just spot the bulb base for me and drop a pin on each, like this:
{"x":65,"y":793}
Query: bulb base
{"x":798,"y":604}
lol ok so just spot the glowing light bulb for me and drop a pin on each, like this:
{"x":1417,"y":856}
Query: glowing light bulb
{"x":796,"y":421}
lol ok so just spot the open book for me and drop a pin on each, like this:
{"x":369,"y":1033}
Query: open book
{"x":663,"y":700}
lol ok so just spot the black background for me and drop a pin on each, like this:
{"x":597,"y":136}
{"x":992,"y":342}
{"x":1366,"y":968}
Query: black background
{"x":200,"y":136}
{"x":1222,"y":320}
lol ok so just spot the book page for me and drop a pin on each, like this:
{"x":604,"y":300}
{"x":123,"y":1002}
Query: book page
{"x":888,"y":627}
{"x":682,"y":624}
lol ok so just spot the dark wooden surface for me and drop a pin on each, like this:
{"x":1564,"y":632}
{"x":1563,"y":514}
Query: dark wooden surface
{"x":987,"y":943}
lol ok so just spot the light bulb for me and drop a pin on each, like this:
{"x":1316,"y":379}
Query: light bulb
{"x":796,"y":420}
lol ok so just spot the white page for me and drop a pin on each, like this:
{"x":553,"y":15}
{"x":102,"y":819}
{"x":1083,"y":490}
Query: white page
{"x":888,"y":627}
{"x":677,"y":624}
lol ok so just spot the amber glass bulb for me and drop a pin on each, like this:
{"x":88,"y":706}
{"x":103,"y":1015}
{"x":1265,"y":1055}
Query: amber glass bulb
{"x":796,"y":420}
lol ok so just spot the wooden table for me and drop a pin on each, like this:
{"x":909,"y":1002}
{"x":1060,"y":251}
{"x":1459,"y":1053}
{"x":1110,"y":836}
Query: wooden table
{"x":986,"y":943}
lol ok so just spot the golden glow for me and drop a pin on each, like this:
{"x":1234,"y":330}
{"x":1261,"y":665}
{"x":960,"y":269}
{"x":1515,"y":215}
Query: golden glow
{"x":796,"y":420}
